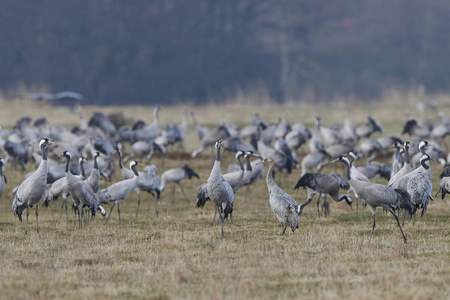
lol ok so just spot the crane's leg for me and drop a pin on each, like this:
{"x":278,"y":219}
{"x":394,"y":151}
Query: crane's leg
{"x":110,"y":212}
{"x":173,"y":193}
{"x":398,"y":223}
{"x":79,"y":219}
{"x":138,"y":202}
{"x":304,"y":204}
{"x":62,"y":208}
{"x":37,"y":221}
{"x":319,"y":213}
{"x":214,"y":217}
{"x":82,"y":217}
{"x":373,"y":225}
{"x":26,"y":226}
{"x":118,"y":211}
{"x":184,"y":193}
{"x":283,"y":226}
{"x":156,"y":208}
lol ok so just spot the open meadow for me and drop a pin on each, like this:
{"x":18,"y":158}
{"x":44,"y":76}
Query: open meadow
{"x":179,"y":255}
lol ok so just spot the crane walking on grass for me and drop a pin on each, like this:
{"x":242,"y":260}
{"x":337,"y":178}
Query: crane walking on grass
{"x":32,"y":189}
{"x":281,"y":203}
{"x":378,"y":195}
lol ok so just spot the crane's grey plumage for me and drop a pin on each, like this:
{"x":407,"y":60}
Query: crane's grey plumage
{"x":148,"y":181}
{"x":175,"y":176}
{"x":406,"y":166}
{"x":32,"y":189}
{"x":315,"y":143}
{"x":234,"y":179}
{"x":281,"y":203}
{"x":444,"y":187}
{"x":82,"y":194}
{"x":2,"y":177}
{"x":119,"y":190}
{"x":378,"y":195}
{"x":323,"y":184}
{"x":94,"y":178}
{"x":201,"y":131}
{"x":219,"y":190}
{"x":354,"y":172}
{"x":220,"y":132}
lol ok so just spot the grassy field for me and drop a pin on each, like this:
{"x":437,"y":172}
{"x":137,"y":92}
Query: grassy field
{"x":179,"y":255}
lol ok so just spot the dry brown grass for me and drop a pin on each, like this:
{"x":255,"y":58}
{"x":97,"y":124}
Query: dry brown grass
{"x":180,"y":255}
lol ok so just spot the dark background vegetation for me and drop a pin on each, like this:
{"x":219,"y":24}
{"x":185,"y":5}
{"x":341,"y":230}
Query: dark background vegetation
{"x":140,"y":52}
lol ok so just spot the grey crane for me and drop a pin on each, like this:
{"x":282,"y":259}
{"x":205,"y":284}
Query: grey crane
{"x":201,"y":130}
{"x":233,"y":178}
{"x":378,"y":195}
{"x":148,"y":181}
{"x":18,"y":152}
{"x":281,"y":203}
{"x":60,"y":188}
{"x":367,"y":129}
{"x":119,"y":190}
{"x":314,"y":160}
{"x":94,"y":178}
{"x":406,"y":166}
{"x":315,"y":143}
{"x":82,"y":194}
{"x":175,"y":176}
{"x":32,"y":189}
{"x":444,"y":187}
{"x":219,"y":133}
{"x":2,"y":177}
{"x":219,"y":190}
{"x":397,"y":158}
{"x":323,"y":184}
{"x":356,"y":174}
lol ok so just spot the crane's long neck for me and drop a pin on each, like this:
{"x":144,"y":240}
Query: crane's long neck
{"x":425,"y":164}
{"x":347,"y":170}
{"x":269,"y":177}
{"x":240,"y":163}
{"x":216,"y":167}
{"x":120,"y":160}
{"x":133,"y":167}
{"x":1,"y":169}
{"x":96,"y":164}
{"x":67,"y":165}
{"x":82,"y":168}
{"x":248,"y":166}
{"x":316,"y":128}
{"x":44,"y":153}
{"x":407,"y":161}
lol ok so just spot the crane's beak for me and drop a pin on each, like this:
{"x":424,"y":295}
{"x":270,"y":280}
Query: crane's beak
{"x":259,"y":163}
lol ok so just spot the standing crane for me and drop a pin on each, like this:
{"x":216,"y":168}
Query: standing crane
{"x":219,"y":190}
{"x":119,"y":190}
{"x":32,"y":189}
{"x":281,"y":203}
{"x":378,"y":195}
{"x":175,"y":176}
{"x":82,"y":194}
{"x":2,"y":177}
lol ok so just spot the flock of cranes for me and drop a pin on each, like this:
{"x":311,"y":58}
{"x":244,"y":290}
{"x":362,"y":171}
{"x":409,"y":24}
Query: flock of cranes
{"x":259,"y":144}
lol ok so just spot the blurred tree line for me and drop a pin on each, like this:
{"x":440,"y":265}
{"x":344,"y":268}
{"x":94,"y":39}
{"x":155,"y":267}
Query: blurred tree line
{"x":139,"y":51}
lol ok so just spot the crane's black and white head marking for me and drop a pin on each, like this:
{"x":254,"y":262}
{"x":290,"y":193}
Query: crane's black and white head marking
{"x":44,"y":142}
{"x":67,"y":154}
{"x":423,"y":145}
{"x":82,"y":160}
{"x":219,"y":144}
{"x":424,"y":158}
{"x":352,"y":155}
{"x":407,"y":144}
{"x":97,"y":154}
{"x":133,"y":163}
{"x":344,"y":159}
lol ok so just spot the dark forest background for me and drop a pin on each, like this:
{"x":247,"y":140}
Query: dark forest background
{"x":165,"y":51}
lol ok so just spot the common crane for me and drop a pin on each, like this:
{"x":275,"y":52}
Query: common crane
{"x":378,"y":195}
{"x":281,"y":203}
{"x":32,"y":189}
{"x":219,"y":190}
{"x":119,"y":190}
{"x":175,"y":176}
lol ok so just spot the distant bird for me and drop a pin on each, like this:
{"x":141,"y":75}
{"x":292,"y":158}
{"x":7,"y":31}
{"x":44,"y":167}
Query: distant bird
{"x":219,"y":190}
{"x":2,"y":177}
{"x":94,"y":178}
{"x":219,"y":133}
{"x":82,"y":194}
{"x":175,"y":176}
{"x":323,"y":184}
{"x":367,"y":129}
{"x":378,"y":195}
{"x":201,"y":130}
{"x":413,"y":128}
{"x":315,"y":143}
{"x":18,"y":152}
{"x":32,"y":189}
{"x":234,"y":179}
{"x":281,"y":203}
{"x":444,"y":188}
{"x":354,"y":172}
{"x":119,"y":190}
{"x":314,"y":160}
